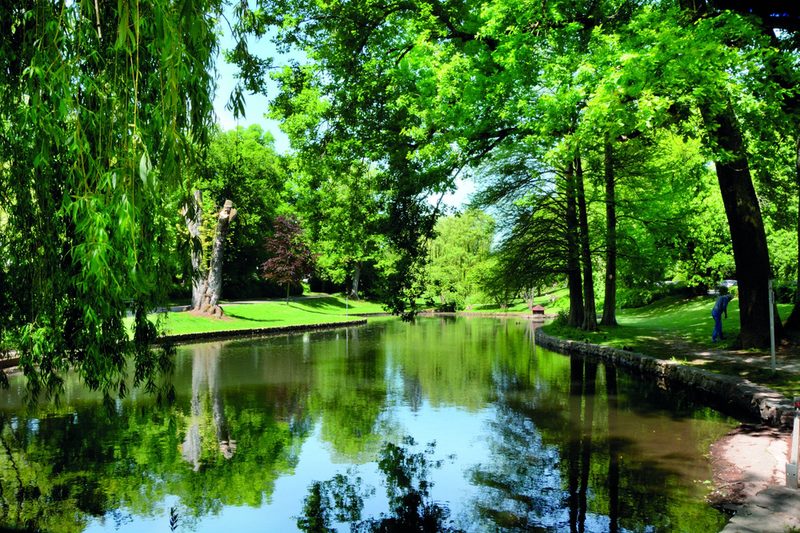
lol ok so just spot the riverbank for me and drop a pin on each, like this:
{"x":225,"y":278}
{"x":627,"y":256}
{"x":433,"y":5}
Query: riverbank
{"x":254,"y":315}
{"x":749,"y":462}
{"x":254,"y":318}
{"x":679,"y":329}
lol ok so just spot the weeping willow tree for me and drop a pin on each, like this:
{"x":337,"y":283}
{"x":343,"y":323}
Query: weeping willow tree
{"x":98,"y":104}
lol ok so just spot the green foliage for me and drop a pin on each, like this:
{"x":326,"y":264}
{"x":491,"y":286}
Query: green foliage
{"x":783,"y":252}
{"x":785,"y":291}
{"x":458,"y":259}
{"x":639,"y":297}
{"x":338,"y":199}
{"x":241,"y":165}
{"x":97,"y":109}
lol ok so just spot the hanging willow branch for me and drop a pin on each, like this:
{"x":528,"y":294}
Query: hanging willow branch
{"x":95,"y":128}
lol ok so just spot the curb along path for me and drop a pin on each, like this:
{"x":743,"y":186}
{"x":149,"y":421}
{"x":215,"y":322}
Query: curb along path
{"x":738,"y":394}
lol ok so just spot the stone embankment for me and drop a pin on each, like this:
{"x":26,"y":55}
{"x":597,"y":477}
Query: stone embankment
{"x":257,"y":332}
{"x":10,"y":360}
{"x":731,"y":393}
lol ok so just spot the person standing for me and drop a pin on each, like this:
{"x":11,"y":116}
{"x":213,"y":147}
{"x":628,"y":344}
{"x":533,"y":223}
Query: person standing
{"x":720,"y":308}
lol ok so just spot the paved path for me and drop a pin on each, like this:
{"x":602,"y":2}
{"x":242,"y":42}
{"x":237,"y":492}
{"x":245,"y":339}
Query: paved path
{"x":784,"y":362}
{"x":773,"y":510}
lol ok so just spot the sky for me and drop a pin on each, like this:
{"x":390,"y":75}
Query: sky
{"x":256,"y":107}
{"x":255,"y":104}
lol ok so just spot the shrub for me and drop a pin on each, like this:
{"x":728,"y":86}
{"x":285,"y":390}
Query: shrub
{"x":641,"y":296}
{"x":784,"y":291}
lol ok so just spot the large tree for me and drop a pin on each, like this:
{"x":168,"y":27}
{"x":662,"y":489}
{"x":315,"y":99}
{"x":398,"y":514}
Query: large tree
{"x":98,"y":103}
{"x":241,"y":165}
{"x":458,"y":259}
{"x":435,"y":86}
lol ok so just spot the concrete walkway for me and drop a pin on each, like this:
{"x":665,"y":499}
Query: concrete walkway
{"x":773,"y":510}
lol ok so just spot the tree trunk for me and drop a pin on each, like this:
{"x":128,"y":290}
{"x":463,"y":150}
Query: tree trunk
{"x":589,"y":309}
{"x":793,"y":322}
{"x":356,"y":278}
{"x":194,"y":221}
{"x":749,"y":240}
{"x":213,"y":286}
{"x":610,"y":301}
{"x":574,"y":285}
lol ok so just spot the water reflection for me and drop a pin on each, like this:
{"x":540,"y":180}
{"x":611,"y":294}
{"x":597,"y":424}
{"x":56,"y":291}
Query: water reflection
{"x":406,"y":476}
{"x":205,"y":367}
{"x":541,"y":441}
{"x":566,"y":461}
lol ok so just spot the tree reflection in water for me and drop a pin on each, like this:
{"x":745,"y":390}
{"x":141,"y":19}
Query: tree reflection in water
{"x":558,"y":444}
{"x":556,"y":463}
{"x":405,"y":474}
{"x":205,"y":368}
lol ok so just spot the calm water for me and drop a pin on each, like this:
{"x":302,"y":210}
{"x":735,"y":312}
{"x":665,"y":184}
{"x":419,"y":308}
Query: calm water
{"x":524,"y":439}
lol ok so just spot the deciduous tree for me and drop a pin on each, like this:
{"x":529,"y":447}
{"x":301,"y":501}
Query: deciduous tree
{"x":98,"y":103}
{"x":291,"y":258}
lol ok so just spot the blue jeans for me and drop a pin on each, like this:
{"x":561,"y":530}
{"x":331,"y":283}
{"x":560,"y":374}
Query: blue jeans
{"x":717,"y":333}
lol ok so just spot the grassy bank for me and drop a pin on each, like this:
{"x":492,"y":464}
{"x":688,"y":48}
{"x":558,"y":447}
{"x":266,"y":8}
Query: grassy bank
{"x":553,"y":302}
{"x":273,"y":313}
{"x":680,"y":329}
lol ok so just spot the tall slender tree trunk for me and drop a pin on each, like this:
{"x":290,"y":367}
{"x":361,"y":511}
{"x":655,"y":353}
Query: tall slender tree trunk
{"x":574,"y":284}
{"x":213,"y":286}
{"x":193,"y":214}
{"x":610,"y":301}
{"x":356,"y":279}
{"x":793,"y":322}
{"x":589,"y":309}
{"x":749,"y":239}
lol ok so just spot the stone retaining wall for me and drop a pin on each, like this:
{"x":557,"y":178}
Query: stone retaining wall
{"x":732,"y":393}
{"x":10,"y":362}
{"x":255,"y":332}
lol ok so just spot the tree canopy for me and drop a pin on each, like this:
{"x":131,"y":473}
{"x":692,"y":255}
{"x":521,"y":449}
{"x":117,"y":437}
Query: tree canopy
{"x":433,"y":89}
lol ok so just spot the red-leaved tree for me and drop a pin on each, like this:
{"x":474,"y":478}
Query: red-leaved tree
{"x":291,"y":259}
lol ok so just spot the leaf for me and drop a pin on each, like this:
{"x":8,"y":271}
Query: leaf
{"x":144,"y":168}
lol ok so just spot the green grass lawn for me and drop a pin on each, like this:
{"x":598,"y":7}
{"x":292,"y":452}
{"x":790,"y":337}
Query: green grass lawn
{"x":553,"y":302}
{"x":667,"y":325}
{"x":277,"y":313}
{"x":675,"y":328}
